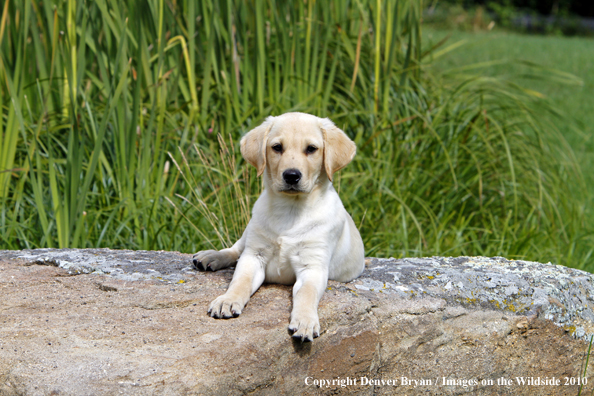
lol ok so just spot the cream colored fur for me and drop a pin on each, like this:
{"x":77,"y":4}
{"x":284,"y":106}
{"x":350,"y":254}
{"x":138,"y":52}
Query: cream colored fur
{"x":299,"y":233}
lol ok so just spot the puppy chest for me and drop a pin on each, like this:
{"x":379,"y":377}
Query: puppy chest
{"x":283,"y":256}
{"x":283,"y":252}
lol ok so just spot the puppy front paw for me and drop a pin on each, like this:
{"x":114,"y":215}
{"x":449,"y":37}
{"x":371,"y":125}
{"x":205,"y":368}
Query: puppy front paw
{"x":212,"y":260}
{"x":225,"y":307}
{"x":305,"y":326}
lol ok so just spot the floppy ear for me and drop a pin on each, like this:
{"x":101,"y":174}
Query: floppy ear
{"x":253,"y":145}
{"x":339,"y":150}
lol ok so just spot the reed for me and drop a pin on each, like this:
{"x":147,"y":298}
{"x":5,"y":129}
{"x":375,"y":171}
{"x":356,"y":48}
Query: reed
{"x":120,"y":126}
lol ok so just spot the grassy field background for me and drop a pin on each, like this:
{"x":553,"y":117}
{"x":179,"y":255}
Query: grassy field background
{"x":120,"y":127}
{"x":510,"y":56}
{"x":507,"y":50}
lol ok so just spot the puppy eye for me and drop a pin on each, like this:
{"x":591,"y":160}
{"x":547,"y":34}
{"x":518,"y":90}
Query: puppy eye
{"x":310,"y":149}
{"x":278,"y":148}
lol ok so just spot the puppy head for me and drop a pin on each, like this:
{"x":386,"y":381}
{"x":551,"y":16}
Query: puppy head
{"x":295,"y":149}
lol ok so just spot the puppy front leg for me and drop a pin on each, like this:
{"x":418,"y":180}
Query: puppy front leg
{"x":212,"y":260}
{"x":307,"y":292}
{"x":249,"y":275}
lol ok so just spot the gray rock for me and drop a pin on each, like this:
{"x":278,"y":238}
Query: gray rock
{"x":554,"y":292}
{"x":100,"y":321}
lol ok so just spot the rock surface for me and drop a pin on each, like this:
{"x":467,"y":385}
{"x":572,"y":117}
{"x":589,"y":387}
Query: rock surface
{"x":99,"y":321}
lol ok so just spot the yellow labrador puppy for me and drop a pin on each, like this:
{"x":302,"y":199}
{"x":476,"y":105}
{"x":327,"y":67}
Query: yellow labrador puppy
{"x":299,"y":232}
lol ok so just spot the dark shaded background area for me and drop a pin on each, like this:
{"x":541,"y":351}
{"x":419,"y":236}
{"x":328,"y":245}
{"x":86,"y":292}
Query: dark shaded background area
{"x":583,"y":8}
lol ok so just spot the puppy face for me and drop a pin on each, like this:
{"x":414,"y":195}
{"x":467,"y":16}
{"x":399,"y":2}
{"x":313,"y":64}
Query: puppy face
{"x":295,"y":154}
{"x":297,"y":151}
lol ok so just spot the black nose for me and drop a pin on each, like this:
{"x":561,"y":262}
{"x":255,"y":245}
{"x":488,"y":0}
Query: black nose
{"x":292,"y":176}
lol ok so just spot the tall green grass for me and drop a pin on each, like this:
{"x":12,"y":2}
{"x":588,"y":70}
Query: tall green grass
{"x":111,"y":117}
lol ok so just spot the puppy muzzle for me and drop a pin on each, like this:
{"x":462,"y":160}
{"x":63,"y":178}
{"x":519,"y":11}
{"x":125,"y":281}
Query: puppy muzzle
{"x":292,"y":177}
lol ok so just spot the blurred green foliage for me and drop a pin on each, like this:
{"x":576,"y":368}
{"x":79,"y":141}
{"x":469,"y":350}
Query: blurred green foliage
{"x":582,"y":8}
{"x":569,"y":18}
